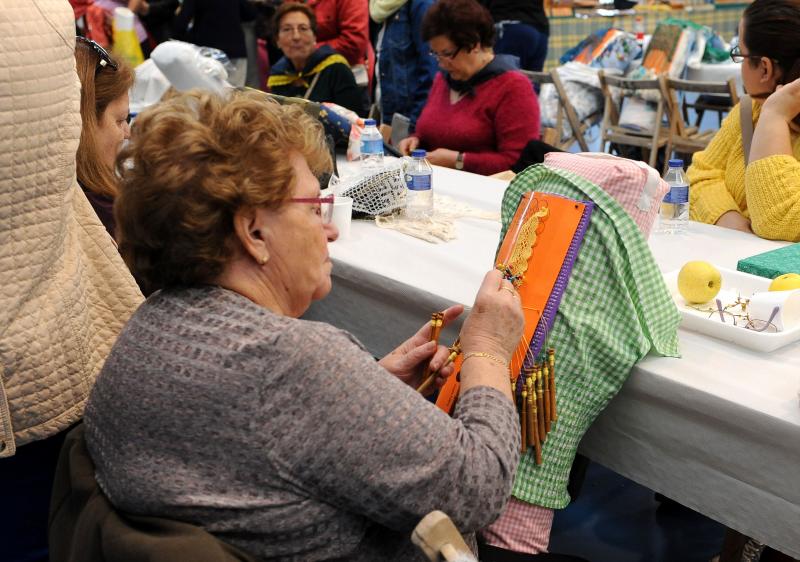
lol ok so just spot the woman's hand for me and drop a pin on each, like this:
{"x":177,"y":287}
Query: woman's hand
{"x":784,"y":103}
{"x":734,"y":220}
{"x":772,"y":136}
{"x":407,"y":145}
{"x":443,"y":157}
{"x":495,"y":324}
{"x":408,"y":361}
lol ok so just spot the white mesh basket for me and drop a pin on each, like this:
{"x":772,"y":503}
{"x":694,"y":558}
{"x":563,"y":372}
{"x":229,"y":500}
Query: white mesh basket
{"x":378,"y":193}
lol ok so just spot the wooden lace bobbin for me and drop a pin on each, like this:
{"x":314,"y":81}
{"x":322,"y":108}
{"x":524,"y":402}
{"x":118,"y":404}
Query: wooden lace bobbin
{"x":455,"y":351}
{"x":551,"y":359}
{"x":530,"y":405}
{"x":437,"y":320}
{"x":546,"y":392}
{"x":524,"y":422}
{"x":533,"y":423}
{"x":540,"y":404}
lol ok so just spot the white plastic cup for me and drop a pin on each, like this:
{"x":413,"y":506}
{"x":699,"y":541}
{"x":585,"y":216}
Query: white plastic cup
{"x":762,"y":304}
{"x":343,"y":215}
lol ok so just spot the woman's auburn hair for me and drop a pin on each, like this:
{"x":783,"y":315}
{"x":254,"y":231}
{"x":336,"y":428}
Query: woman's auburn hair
{"x":465,"y":22}
{"x":192,"y":162}
{"x":770,"y":30}
{"x":98,"y":90}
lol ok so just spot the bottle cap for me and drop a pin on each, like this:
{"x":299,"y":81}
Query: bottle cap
{"x":418,"y":153}
{"x":369,"y":122}
{"x":676,"y":163}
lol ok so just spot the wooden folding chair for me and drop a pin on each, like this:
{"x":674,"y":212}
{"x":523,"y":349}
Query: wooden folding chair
{"x":683,"y":137}
{"x":611,"y":132}
{"x":556,"y":136}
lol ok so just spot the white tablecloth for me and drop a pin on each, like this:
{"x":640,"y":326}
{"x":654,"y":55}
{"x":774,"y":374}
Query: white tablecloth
{"x":718,"y":430}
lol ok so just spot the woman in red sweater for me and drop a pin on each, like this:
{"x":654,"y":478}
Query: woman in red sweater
{"x":480,"y":112}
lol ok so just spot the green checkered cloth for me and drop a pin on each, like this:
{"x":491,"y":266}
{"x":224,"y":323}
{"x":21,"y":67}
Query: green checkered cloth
{"x":615,"y":310}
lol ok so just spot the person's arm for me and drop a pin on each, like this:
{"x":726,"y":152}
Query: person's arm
{"x":352,"y":20}
{"x":772,"y":180}
{"x":516,"y":122}
{"x":408,"y":144}
{"x":709,"y":199}
{"x":426,"y":66}
{"x":345,"y":431}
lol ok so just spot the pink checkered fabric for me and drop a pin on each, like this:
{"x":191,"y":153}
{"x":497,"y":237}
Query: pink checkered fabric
{"x":522,"y":527}
{"x":637,"y":187}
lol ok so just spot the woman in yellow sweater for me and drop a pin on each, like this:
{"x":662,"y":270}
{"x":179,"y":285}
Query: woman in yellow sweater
{"x":764,"y":195}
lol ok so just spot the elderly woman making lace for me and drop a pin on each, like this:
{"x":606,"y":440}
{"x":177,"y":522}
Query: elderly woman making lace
{"x":281,"y":436}
{"x":307,"y":71}
{"x":480,"y":113}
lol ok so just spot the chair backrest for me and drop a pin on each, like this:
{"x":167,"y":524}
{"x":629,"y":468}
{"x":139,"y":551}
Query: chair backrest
{"x":628,"y":88}
{"x":672,"y":86}
{"x":85,"y":527}
{"x":637,"y":91}
{"x":565,"y":111}
{"x":550,"y":135}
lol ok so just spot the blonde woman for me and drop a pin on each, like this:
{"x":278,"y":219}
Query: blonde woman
{"x":105,"y":82}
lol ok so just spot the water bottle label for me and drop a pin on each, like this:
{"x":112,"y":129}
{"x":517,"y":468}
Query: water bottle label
{"x":677,"y":194}
{"x":418,"y":182}
{"x":372,"y":146}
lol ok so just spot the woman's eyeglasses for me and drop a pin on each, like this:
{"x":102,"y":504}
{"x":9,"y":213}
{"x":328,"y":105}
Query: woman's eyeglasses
{"x":736,"y":313}
{"x":104,"y":59}
{"x":325,"y":209}
{"x":448,"y":56}
{"x":289,"y":30}
{"x":738,"y":56}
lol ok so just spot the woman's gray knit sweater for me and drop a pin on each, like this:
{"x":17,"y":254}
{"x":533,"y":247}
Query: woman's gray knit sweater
{"x":284,"y":437}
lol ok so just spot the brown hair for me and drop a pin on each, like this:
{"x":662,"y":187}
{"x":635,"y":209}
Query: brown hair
{"x":98,"y":89}
{"x":770,"y":30}
{"x":191,"y":163}
{"x":287,"y":8}
{"x":465,"y":22}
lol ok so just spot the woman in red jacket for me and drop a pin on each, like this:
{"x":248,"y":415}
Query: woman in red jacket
{"x":480,"y":113}
{"x":344,"y":26}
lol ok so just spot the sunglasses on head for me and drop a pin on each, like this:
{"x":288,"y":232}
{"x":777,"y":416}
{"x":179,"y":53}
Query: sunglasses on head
{"x":104,"y":59}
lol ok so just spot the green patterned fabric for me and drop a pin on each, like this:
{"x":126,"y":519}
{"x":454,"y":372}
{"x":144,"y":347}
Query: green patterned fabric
{"x":615,"y":310}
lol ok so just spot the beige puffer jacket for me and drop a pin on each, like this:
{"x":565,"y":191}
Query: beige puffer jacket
{"x":64,"y":290}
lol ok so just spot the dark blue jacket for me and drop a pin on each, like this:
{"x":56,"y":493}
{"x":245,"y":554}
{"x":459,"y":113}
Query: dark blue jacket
{"x":406,"y":66}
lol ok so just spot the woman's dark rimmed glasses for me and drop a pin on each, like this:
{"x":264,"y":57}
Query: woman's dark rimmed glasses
{"x":738,"y":56}
{"x":448,"y":56}
{"x":325,"y":205}
{"x":105,"y":59}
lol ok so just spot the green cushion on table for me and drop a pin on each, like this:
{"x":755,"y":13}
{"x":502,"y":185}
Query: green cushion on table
{"x":773,"y":263}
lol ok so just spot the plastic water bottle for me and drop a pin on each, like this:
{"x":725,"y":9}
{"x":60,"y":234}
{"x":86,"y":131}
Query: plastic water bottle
{"x":674,"y":217}
{"x":638,"y":29}
{"x":371,"y":147}
{"x":419,"y":179}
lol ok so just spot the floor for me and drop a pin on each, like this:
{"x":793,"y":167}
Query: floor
{"x":617,"y":520}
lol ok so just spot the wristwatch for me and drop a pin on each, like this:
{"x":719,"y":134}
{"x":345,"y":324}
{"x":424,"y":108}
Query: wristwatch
{"x":460,"y":161}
